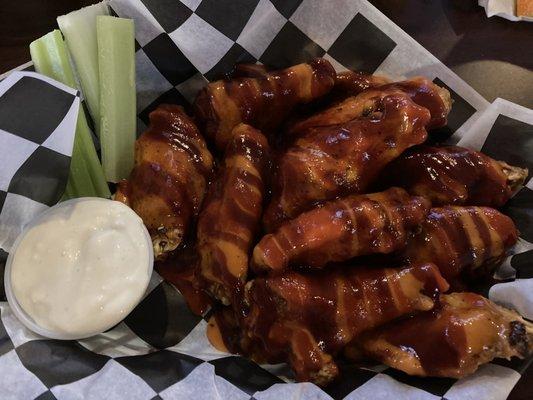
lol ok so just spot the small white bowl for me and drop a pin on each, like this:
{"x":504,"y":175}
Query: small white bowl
{"x":26,"y":319}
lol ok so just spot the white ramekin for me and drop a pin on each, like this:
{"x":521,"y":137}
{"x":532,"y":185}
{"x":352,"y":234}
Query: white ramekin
{"x":26,"y":319}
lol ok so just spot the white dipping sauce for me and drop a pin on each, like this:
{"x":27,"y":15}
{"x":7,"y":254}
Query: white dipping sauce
{"x":82,"y":266}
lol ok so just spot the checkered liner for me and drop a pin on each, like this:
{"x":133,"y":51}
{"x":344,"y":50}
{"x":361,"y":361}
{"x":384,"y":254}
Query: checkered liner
{"x":37,"y":121}
{"x":160,"y":350}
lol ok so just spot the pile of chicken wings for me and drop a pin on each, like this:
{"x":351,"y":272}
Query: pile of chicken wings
{"x":325,"y":227}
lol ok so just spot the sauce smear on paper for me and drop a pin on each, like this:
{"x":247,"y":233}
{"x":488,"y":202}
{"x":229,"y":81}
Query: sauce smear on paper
{"x":215,"y":336}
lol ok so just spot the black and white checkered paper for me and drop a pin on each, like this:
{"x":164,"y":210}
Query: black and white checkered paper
{"x":160,"y":351}
{"x":37,"y":121}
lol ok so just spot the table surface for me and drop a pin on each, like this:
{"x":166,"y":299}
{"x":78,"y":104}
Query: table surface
{"x":492,"y":55}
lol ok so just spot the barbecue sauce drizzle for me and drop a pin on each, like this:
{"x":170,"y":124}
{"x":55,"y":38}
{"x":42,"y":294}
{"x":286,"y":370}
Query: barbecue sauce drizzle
{"x":180,"y":272}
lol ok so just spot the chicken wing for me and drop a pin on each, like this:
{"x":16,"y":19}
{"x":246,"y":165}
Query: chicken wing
{"x":167,"y":184}
{"x":351,"y":83}
{"x":230,"y":218}
{"x":332,"y":161}
{"x":464,"y":331}
{"x":263,"y":102}
{"x":454,"y":175}
{"x":342,"y":229}
{"x":468,"y":241}
{"x":421,"y":90}
{"x":428,"y":95}
{"x":249,"y":71}
{"x":308,"y":319}
{"x":347,"y":83}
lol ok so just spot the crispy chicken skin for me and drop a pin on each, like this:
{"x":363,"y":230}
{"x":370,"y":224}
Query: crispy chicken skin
{"x":232,"y":213}
{"x":338,"y":160}
{"x":422,"y":91}
{"x":167,"y":184}
{"x":454,"y":175}
{"x":342,"y":229}
{"x":307,"y":319}
{"x":467,"y":241}
{"x":463,"y":332}
{"x":263,"y":102}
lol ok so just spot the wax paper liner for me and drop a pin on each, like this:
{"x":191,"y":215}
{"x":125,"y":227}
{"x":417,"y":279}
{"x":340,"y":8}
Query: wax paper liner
{"x":160,"y":350}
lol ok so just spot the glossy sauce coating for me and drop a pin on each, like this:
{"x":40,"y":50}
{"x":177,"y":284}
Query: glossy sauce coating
{"x":231,"y":215}
{"x":263,"y":102}
{"x":338,"y":160}
{"x":428,"y":95}
{"x":366,"y":102}
{"x":326,"y":164}
{"x":462,"y":240}
{"x":167,"y":184}
{"x":464,"y":331}
{"x":180,"y":272}
{"x":451,"y":175}
{"x":214,"y":335}
{"x":342,"y":229}
{"x":309,"y":318}
{"x":351,"y":83}
{"x":347,"y":84}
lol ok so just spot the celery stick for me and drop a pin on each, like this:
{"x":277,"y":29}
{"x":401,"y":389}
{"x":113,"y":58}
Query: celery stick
{"x":50,"y":57}
{"x":116,"y":60}
{"x":79,"y":29}
{"x":92,"y":161}
{"x":79,"y":174}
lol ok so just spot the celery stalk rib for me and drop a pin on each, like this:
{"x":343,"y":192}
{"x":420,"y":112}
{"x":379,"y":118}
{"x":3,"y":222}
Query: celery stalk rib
{"x":116,"y":60}
{"x":50,"y":58}
{"x":86,"y":177}
{"x":79,"y":175}
{"x":96,"y":172}
{"x":79,"y":29}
